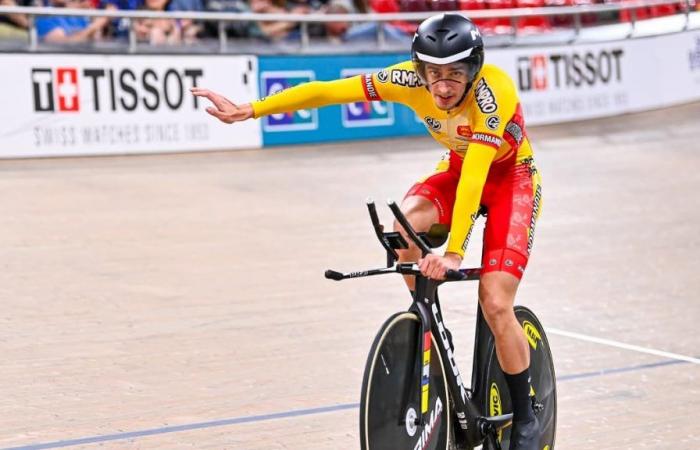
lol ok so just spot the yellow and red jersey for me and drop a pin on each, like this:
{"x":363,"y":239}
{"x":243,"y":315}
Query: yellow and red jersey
{"x":486,"y":129}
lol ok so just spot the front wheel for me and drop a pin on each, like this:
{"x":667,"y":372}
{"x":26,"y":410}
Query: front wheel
{"x":543,"y":382}
{"x":391,"y":391}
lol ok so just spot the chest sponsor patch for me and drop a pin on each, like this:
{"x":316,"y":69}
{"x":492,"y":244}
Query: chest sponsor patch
{"x":488,"y":139}
{"x":434,"y":124}
{"x":515,"y":131}
{"x":485,"y":99}
{"x":492,"y":122}
{"x":383,"y":76}
{"x":406,"y":78}
{"x":464,"y":131}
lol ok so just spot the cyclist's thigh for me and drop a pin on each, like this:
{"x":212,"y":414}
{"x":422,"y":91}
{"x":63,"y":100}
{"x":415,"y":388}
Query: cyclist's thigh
{"x":433,"y":197}
{"x":513,"y":199}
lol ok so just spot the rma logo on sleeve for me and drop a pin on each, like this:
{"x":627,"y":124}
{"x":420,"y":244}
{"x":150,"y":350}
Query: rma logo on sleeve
{"x":277,"y":81}
{"x":366,"y":114}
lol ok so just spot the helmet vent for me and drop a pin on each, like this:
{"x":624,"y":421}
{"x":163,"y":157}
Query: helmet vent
{"x":432,"y":38}
{"x":452,"y":36}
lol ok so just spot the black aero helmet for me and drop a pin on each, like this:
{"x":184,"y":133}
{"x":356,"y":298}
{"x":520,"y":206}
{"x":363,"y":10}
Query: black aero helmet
{"x":446,"y":39}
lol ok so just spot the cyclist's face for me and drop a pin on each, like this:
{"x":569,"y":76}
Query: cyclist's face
{"x":447,"y":83}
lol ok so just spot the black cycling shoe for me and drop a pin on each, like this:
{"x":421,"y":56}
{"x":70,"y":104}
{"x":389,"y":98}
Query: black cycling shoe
{"x":525,"y":435}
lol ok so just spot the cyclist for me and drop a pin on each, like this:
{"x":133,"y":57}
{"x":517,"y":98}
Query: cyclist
{"x":473,"y":110}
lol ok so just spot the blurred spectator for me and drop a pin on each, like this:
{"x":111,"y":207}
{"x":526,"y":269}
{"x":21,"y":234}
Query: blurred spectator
{"x":366,"y":31}
{"x":190,"y":29}
{"x":276,"y":30}
{"x":120,"y":27}
{"x":163,"y":31}
{"x":69,"y":29}
{"x":14,"y":26}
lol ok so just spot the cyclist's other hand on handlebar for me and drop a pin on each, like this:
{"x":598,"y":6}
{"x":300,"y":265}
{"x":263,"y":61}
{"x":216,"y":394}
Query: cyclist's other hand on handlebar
{"x":224,"y":109}
{"x":435,"y":266}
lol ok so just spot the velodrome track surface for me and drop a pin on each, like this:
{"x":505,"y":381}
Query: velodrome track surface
{"x":177,"y":301}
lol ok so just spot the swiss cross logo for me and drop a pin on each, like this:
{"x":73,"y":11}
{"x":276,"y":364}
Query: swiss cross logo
{"x":61,"y":85}
{"x":532,"y":73}
{"x":67,"y":81}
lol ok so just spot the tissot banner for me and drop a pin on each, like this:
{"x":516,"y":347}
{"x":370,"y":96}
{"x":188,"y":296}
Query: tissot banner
{"x":93,"y":104}
{"x":576,"y":82}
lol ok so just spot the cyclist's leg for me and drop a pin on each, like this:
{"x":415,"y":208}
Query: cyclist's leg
{"x":513,"y":199}
{"x":429,"y":201}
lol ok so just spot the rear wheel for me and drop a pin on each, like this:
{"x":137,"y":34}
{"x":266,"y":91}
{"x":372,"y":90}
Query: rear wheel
{"x":391,"y":395}
{"x":497,"y":400}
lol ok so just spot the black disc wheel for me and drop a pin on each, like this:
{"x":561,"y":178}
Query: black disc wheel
{"x":543,"y":381}
{"x":391,"y":391}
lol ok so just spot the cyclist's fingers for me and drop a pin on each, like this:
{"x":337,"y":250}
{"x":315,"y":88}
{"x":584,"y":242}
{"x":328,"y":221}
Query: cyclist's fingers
{"x":218,"y":114}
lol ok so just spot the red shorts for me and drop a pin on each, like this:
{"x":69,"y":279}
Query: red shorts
{"x":512,"y":196}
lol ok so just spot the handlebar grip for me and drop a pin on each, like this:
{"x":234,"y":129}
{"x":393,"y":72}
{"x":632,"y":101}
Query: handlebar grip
{"x":333,"y":275}
{"x":454,"y":275}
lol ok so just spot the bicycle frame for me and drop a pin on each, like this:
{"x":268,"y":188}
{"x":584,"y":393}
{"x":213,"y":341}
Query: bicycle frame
{"x":473,"y":427}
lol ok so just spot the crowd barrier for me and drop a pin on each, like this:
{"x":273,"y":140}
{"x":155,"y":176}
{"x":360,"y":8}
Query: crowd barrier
{"x":64,"y":104}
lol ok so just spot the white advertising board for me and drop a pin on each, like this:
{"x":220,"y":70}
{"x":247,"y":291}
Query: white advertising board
{"x":58,"y":105}
{"x":576,"y":82}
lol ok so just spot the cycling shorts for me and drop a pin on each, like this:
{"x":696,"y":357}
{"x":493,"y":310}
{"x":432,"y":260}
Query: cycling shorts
{"x":512,"y":196}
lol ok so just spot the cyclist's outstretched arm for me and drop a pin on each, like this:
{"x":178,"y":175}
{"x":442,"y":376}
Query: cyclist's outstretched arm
{"x":314,"y":94}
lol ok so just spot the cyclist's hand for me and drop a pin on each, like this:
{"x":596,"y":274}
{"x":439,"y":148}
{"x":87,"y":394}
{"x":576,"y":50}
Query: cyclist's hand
{"x":435,"y":266}
{"x":224,"y":109}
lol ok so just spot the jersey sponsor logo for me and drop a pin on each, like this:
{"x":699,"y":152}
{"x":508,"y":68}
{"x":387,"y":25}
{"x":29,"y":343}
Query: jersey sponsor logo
{"x":492,"y":122}
{"x":370,"y":90}
{"x":383,"y":76}
{"x":515,"y":131}
{"x":406,"y":78}
{"x":569,"y":70}
{"x":694,"y":56}
{"x":485,"y":98}
{"x":488,"y":139}
{"x":367,"y":113}
{"x":274,"y":82}
{"x":464,"y":131}
{"x":533,"y":221}
{"x":433,"y":124}
{"x":72,"y":90}
{"x":473,"y":218}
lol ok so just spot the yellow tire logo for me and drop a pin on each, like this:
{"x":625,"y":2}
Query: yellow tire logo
{"x":495,"y":406}
{"x":546,"y":447}
{"x":532,"y":334}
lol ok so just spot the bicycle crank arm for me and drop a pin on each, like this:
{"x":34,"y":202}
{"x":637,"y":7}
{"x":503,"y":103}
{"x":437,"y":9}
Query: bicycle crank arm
{"x":488,"y":425}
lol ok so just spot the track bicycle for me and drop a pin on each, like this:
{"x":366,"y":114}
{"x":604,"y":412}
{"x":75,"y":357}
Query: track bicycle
{"x":413,"y":394}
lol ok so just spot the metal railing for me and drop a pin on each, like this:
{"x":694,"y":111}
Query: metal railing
{"x":304,"y":20}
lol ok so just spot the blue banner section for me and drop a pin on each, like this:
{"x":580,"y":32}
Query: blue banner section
{"x":361,"y":120}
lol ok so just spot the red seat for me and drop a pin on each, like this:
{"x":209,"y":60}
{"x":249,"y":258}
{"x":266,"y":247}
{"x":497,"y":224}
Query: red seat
{"x":471,"y":5}
{"x":640,"y":13}
{"x":501,"y":25}
{"x":391,"y":6}
{"x":533,"y":24}
{"x":663,"y":10}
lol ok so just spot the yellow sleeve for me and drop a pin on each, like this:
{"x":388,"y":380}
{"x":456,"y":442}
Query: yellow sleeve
{"x":475,"y":169}
{"x":494,"y":101}
{"x":311,"y":95}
